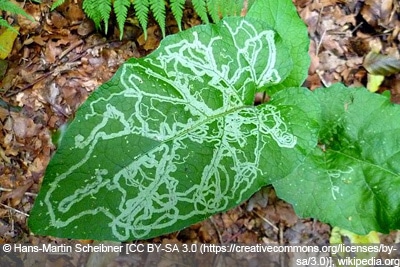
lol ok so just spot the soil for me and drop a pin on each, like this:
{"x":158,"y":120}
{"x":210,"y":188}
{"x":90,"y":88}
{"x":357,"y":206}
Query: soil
{"x":58,"y":60}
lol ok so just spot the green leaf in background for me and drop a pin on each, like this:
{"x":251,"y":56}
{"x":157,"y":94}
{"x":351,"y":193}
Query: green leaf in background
{"x":282,"y":17}
{"x":343,"y":237}
{"x":10,"y":6}
{"x":352,"y":179}
{"x":379,"y":66}
{"x":7,"y":39}
{"x":374,"y":81}
{"x":338,"y":235}
{"x":174,"y":137}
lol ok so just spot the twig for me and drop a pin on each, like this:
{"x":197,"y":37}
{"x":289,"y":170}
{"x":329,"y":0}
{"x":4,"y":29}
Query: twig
{"x":356,"y":28}
{"x":5,"y":189}
{"x":70,"y":48}
{"x":319,"y":43}
{"x":276,"y":229}
{"x":216,"y":229}
{"x":320,"y":74}
{"x":323,"y":34}
{"x":26,"y":193}
{"x":281,"y":233}
{"x":15,"y":210}
{"x":30,"y":194}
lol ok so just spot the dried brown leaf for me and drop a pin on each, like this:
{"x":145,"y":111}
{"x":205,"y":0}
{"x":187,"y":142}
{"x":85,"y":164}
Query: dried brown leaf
{"x":51,"y":52}
{"x":25,"y":127}
{"x":86,"y":27}
{"x":16,"y":195}
{"x":72,"y":11}
{"x":28,"y":26}
{"x":58,"y":20}
{"x":378,"y":64}
{"x":153,"y":38}
{"x":377,"y":12}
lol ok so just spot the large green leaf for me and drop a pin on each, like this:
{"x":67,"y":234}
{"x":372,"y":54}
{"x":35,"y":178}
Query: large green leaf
{"x":174,"y":137}
{"x":282,"y":16}
{"x":352,"y":180}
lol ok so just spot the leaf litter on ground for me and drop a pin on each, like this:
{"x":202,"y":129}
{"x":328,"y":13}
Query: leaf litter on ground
{"x":49,"y":93}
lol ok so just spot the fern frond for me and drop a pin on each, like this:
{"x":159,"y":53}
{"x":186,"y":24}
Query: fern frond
{"x":213,"y":7}
{"x":56,"y":4}
{"x":121,"y":11}
{"x":142,"y":12}
{"x":89,"y":6}
{"x":177,"y":10}
{"x":4,"y":23}
{"x":227,"y":9}
{"x":104,"y":7}
{"x":236,"y":8}
{"x":158,"y":9}
{"x":6,"y":5}
{"x":201,"y":10}
{"x":99,"y":11}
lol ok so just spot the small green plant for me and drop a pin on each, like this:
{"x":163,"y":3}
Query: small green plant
{"x":6,"y":5}
{"x":7,"y":38}
{"x":100,"y":10}
{"x":174,"y":138}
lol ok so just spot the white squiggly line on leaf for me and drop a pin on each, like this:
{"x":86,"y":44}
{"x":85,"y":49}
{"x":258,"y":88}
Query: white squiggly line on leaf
{"x":335,"y":174}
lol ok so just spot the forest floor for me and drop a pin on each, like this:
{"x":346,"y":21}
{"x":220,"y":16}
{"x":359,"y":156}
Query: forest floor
{"x":58,"y":60}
